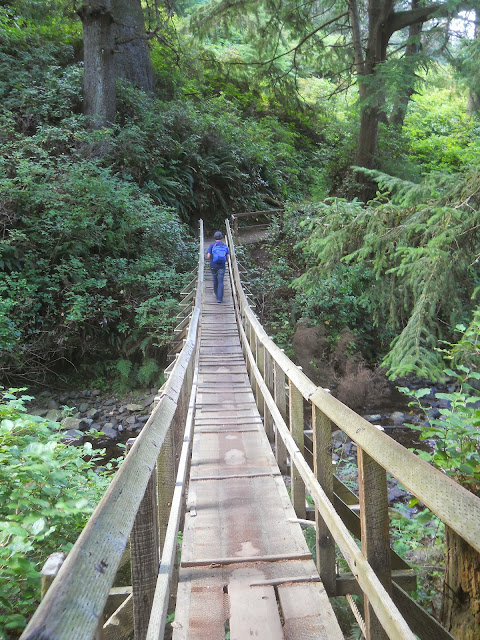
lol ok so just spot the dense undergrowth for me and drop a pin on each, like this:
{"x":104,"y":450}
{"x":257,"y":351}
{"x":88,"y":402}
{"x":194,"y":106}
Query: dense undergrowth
{"x":98,"y":227}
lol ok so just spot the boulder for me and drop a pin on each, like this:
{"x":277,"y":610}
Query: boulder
{"x":398,"y":417}
{"x":72,"y":436}
{"x":134,"y":407}
{"x":55,"y":415}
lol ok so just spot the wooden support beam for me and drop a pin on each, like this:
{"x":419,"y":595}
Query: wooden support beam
{"x":260,"y":358}
{"x":268,"y":419}
{"x":374,"y":521}
{"x":50,"y":570}
{"x":281,"y":403}
{"x":144,"y":556}
{"x":322,"y":468}
{"x":348,"y":583}
{"x":297,"y":486}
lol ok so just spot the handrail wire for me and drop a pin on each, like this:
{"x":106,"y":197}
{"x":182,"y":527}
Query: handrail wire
{"x":73,"y":606}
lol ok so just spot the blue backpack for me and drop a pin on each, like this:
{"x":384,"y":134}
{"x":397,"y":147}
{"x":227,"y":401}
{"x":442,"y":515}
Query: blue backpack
{"x":219,"y":252}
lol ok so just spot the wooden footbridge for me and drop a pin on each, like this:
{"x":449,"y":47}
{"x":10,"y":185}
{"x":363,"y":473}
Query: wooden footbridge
{"x":227,"y":427}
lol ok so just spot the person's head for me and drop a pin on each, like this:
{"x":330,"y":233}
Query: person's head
{"x":218,"y":235}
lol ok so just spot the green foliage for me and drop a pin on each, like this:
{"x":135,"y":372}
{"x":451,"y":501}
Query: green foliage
{"x":419,"y":538}
{"x":91,"y":264}
{"x":440,"y":135}
{"x":47,"y":491}
{"x":414,"y":258}
{"x":456,"y":433}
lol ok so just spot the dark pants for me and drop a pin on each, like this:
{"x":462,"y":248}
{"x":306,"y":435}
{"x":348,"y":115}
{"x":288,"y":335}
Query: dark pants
{"x":218,"y":274}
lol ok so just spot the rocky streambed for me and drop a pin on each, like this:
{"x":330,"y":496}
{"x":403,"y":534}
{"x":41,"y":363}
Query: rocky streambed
{"x":117,"y":417}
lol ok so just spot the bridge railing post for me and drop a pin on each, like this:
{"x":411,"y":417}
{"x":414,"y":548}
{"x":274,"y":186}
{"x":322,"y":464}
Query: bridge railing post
{"x":279,"y":396}
{"x":144,"y":556}
{"x":268,"y":377}
{"x":253,"y":347}
{"x":295,"y":401}
{"x":260,"y":360}
{"x":322,"y":468}
{"x":375,"y":537}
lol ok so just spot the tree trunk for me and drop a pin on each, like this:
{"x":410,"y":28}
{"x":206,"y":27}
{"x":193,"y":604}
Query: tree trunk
{"x":132,"y":55}
{"x":473,"y":106}
{"x":460,"y":613}
{"x":99,"y":98}
{"x":371,"y":93}
{"x":399,"y":111}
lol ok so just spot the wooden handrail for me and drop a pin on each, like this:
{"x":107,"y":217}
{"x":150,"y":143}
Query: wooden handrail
{"x":378,"y":454}
{"x":452,"y":503}
{"x":73,"y":605}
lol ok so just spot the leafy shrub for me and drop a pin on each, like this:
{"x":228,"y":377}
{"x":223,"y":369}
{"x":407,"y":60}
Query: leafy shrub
{"x":47,"y":491}
{"x":91,"y":265}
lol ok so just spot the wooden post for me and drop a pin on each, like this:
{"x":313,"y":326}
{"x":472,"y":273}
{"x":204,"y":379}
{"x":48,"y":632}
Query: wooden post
{"x":49,"y":571}
{"x":296,"y":429}
{"x":260,"y":358}
{"x":145,"y":556}
{"x":235,"y":228}
{"x":268,"y":420}
{"x":374,"y":522}
{"x":246,"y":327}
{"x":322,"y":467}
{"x":281,"y":402}
{"x":253,"y":347}
{"x":165,"y":483}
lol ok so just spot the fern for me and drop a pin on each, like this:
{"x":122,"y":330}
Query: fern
{"x":124,"y":368}
{"x":147,"y":371}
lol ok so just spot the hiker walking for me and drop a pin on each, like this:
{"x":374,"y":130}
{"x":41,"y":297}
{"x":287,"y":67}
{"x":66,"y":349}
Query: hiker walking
{"x":217,"y":254}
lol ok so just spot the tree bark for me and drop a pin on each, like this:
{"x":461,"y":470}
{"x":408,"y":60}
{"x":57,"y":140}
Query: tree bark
{"x":460,"y":613}
{"x":473,"y":106}
{"x":132,"y":54}
{"x":99,"y":97}
{"x":399,"y":111}
{"x":383,"y":22}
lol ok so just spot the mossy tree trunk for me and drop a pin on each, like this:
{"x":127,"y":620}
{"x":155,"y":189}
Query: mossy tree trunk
{"x":132,"y":54}
{"x":99,"y":97}
{"x":461,"y":591}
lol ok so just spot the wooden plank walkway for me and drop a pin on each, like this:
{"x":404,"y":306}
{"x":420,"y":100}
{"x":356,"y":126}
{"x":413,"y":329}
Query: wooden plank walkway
{"x":245,"y":569}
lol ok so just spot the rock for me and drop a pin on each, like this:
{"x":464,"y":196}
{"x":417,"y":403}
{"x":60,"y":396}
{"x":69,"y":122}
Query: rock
{"x":142,"y":419}
{"x":134,"y":407}
{"x":131,"y":420}
{"x":109,"y":431}
{"x":83,"y":408}
{"x":395,"y":493}
{"x":55,"y":415}
{"x":96,"y":392}
{"x":73,"y":437}
{"x":93,"y":413}
{"x":398,"y":417}
{"x":86,"y":393}
{"x":109,"y":402}
{"x":52,"y":404}
{"x":148,"y":401}
{"x":373,"y":418}
{"x":41,"y":413}
{"x":81,"y":424}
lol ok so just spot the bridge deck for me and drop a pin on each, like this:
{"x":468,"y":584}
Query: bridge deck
{"x":244,"y":567}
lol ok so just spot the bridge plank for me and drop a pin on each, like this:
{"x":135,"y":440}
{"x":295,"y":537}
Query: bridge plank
{"x":253,"y":610}
{"x":238,"y":510}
